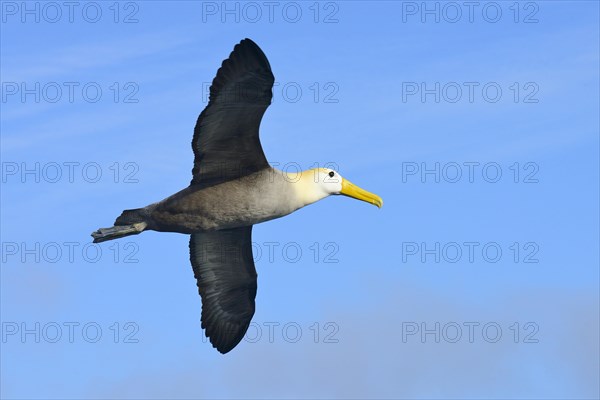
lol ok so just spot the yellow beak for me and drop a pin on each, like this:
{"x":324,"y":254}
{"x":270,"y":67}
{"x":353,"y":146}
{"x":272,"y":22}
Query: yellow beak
{"x":351,"y":190}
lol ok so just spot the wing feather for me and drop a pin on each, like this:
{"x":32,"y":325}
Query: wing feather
{"x":226,"y":143}
{"x":226,"y":277}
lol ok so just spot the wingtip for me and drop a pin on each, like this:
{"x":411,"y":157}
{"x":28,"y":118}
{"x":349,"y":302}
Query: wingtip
{"x":223,"y":349}
{"x":249,"y":42}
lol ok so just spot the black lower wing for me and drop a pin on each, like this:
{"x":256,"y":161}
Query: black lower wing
{"x":224,"y":270}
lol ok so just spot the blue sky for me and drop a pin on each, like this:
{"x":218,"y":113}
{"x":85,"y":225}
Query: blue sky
{"x":466,"y":284}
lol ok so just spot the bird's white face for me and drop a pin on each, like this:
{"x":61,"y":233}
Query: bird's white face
{"x":328,"y":180}
{"x":319,"y":183}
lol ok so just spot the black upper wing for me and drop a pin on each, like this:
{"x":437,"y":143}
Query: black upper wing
{"x":224,"y":269}
{"x":226,"y":143}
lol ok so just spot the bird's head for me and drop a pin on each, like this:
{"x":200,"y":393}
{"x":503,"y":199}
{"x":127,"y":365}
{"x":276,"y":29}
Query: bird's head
{"x":316,"y":184}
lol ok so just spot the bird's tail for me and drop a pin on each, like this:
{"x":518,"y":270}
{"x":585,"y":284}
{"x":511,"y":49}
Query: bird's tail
{"x":130,"y":222}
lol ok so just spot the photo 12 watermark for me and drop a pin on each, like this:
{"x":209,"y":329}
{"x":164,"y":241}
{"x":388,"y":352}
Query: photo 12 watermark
{"x":469,"y":332}
{"x":470,"y":92}
{"x":273,"y":252}
{"x":291,"y":332}
{"x":526,"y":172}
{"x":454,"y":12}
{"x":470,"y":252}
{"x":253,"y":12}
{"x":288,"y":92}
{"x":70,"y":332}
{"x":117,"y":252}
{"x":69,"y":172}
{"x":69,"y":12}
{"x":69,"y":92}
{"x":289,"y":171}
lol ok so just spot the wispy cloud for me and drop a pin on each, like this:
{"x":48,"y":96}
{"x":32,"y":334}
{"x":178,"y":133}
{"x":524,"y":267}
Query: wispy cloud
{"x":68,"y":59}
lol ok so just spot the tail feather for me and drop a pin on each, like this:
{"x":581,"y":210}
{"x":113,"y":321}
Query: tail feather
{"x":115,"y":232}
{"x":130,"y":222}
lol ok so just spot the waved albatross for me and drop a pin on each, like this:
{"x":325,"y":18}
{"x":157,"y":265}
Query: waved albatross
{"x":233,"y":187}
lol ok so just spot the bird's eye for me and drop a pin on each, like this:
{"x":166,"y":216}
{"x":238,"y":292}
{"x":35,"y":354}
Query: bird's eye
{"x":331,"y":174}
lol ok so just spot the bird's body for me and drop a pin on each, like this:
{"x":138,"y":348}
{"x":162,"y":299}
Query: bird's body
{"x":252,"y":199}
{"x":233,"y":187}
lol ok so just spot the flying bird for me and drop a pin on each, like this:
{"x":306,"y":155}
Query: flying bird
{"x":233,"y":187}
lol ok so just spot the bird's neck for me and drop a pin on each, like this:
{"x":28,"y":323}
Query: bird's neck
{"x":306,"y":187}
